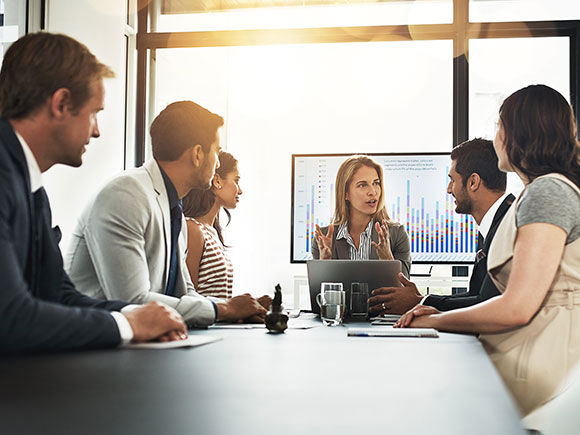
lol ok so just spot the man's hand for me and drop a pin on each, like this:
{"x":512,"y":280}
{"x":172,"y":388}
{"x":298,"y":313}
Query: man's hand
{"x":156,"y":321}
{"x":394,"y":300}
{"x":240,"y":308}
{"x":324,"y":242}
{"x":265,"y":301}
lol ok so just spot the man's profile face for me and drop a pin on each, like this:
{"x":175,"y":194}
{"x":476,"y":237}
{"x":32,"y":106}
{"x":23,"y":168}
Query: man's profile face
{"x":463,"y":203}
{"x":78,"y":128}
{"x":209,"y":165}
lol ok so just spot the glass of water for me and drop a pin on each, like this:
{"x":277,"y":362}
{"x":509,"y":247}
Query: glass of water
{"x":359,"y":299}
{"x":332,"y":301}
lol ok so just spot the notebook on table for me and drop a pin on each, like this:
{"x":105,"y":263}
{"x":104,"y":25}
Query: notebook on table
{"x":377,"y":273}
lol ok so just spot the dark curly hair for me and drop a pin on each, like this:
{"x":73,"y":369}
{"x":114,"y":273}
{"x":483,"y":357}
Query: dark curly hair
{"x":199,"y":202}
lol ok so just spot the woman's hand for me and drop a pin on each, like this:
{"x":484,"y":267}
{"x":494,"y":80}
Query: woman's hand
{"x":324,"y":242}
{"x":417,"y":317}
{"x":384,"y":246}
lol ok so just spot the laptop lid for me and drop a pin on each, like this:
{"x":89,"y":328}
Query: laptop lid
{"x":377,"y":273}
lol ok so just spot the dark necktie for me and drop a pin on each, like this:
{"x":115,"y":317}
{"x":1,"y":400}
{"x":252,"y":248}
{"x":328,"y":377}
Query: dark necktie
{"x":176,"y":217}
{"x":480,"y":252}
{"x":39,"y":200}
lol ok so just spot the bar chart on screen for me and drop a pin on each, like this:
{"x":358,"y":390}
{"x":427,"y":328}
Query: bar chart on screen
{"x":415,"y":196}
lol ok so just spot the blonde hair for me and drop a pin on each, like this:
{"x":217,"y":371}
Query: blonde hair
{"x":342,"y":183}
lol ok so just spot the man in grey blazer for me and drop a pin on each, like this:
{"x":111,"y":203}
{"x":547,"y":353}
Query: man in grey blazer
{"x":130,"y":242}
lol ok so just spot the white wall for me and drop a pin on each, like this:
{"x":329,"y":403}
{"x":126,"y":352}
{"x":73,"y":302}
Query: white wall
{"x":99,"y":24}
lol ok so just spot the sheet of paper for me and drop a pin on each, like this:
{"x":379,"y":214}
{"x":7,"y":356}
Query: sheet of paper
{"x":388,"y":331}
{"x":191,"y":341}
{"x":298,"y":323}
{"x":237,"y":326}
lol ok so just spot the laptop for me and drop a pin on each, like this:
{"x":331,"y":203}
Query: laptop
{"x":377,"y":273}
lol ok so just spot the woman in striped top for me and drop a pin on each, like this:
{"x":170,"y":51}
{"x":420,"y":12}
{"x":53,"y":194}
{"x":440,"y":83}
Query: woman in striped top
{"x":208,"y":261}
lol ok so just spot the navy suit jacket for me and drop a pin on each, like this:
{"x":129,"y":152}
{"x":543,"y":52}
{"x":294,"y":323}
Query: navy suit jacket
{"x":39,"y":307}
{"x":481,"y":287}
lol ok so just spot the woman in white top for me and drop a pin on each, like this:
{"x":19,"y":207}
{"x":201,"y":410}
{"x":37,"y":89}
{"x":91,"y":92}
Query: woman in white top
{"x":208,"y":261}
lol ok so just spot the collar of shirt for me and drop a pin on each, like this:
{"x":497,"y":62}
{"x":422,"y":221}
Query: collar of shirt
{"x":485,"y":224}
{"x":343,"y":233}
{"x":33,"y":169}
{"x":171,"y":192}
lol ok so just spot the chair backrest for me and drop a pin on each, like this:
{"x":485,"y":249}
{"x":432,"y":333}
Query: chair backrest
{"x":560,"y":415}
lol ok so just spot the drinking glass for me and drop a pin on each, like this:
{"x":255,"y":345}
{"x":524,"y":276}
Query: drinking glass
{"x":359,"y":299}
{"x":332,"y":302}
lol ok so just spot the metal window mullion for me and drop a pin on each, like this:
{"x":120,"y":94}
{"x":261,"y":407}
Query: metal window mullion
{"x":141,"y":100}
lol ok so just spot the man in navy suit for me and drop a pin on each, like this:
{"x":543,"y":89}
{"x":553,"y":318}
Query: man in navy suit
{"x":478,"y":187}
{"x":51,"y":89}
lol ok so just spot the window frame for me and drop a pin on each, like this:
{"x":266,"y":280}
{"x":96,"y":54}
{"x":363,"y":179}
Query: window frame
{"x":460,"y":32}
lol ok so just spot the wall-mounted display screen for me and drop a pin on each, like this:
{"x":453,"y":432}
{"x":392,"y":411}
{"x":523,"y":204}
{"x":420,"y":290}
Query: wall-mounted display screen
{"x":416,"y":196}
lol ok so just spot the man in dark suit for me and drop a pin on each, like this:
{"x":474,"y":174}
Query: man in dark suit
{"x":478,"y":187}
{"x":51,"y":89}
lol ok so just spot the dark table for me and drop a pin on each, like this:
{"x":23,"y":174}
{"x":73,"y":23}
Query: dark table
{"x":314,"y":381}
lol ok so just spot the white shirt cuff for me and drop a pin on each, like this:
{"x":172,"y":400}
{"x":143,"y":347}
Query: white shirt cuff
{"x":130,"y":307}
{"x":125,"y":330}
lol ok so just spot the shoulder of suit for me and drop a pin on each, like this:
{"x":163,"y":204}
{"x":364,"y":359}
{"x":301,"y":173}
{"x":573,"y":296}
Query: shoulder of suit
{"x":132,"y":186}
{"x":134,"y":180}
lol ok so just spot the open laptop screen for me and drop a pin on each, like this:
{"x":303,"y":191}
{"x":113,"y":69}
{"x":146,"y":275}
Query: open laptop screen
{"x":377,"y":273}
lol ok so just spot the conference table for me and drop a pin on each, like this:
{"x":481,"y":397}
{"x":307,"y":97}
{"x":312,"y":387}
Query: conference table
{"x":304,"y":381}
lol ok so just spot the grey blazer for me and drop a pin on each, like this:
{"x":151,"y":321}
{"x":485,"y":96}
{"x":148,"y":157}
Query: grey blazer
{"x":120,"y":246}
{"x":398,"y":237}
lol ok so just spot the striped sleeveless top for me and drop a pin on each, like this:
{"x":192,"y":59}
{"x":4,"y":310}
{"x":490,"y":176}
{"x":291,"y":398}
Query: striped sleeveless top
{"x":216,"y":273}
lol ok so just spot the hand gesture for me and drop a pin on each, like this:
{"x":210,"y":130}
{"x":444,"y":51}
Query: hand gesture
{"x":394,"y":300}
{"x":384,"y":246}
{"x":156,"y":321}
{"x":420,"y":316}
{"x":324,"y":242}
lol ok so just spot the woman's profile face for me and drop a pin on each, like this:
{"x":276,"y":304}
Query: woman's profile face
{"x":499,"y":146}
{"x":364,"y":191}
{"x":228,"y":190}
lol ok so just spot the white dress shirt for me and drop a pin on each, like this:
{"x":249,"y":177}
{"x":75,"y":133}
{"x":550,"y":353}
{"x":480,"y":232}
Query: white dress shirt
{"x":487,"y":219}
{"x":125,"y":330}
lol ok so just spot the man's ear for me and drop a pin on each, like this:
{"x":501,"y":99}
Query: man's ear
{"x":59,"y":103}
{"x":197,"y":155}
{"x":474,"y":182}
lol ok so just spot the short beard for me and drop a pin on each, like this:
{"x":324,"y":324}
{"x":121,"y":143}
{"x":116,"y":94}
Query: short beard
{"x":465,"y":206}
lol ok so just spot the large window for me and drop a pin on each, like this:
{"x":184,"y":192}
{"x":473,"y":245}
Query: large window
{"x":523,"y":10}
{"x":499,"y":67}
{"x":318,"y":97}
{"x":195,"y":15}
{"x":321,"y":77}
{"x":12,"y":23}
